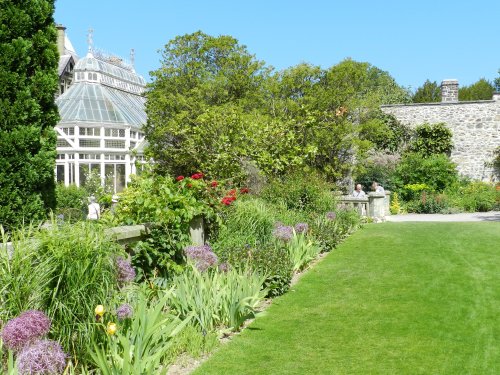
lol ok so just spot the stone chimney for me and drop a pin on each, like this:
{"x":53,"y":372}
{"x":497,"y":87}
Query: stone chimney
{"x":61,"y":34}
{"x":449,"y":91}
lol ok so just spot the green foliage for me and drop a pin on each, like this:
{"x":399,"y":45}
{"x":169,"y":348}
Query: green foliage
{"x":142,"y":347}
{"x":435,"y":171}
{"x":28,"y":114}
{"x":65,"y":271}
{"x":302,"y":249}
{"x":474,"y":196}
{"x":429,"y":92}
{"x":386,"y":133}
{"x":250,"y":221}
{"x":71,"y":202}
{"x":192,"y":342}
{"x":213,"y":106}
{"x":427,"y":203}
{"x":480,"y":90}
{"x":496,"y":159}
{"x":269,"y":260}
{"x":8,"y":365}
{"x":216,"y":300}
{"x":301,"y":191}
{"x":329,"y":232}
{"x":170,"y":206}
{"x":432,"y":139}
{"x":201,"y":78}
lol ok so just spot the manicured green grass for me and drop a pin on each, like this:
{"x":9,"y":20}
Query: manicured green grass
{"x":395,"y":298}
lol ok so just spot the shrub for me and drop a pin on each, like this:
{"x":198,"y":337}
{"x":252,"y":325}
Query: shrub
{"x":436,"y":171}
{"x":395,"y":207}
{"x":302,"y":249}
{"x":428,"y":203}
{"x":170,"y":205}
{"x":432,"y":139}
{"x":268,"y":260}
{"x":141,"y":346}
{"x":474,"y":196}
{"x":216,"y":299}
{"x":301,"y":191}
{"x":330,"y":229}
{"x":65,"y":271}
{"x":250,"y":221}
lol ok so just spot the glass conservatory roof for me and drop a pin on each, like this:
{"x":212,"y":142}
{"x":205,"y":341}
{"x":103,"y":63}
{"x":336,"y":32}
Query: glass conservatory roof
{"x":92,"y":102}
{"x":103,"y":93}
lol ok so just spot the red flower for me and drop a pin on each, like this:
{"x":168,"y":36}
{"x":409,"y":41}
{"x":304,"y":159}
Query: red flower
{"x":228,"y":200}
{"x":244,"y":190}
{"x":197,"y":176}
{"x":180,"y":178}
{"x":189,"y":185}
{"x":232,"y":192}
{"x":214,"y":184}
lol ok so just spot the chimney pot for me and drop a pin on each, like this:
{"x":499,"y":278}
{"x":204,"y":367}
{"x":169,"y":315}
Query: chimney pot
{"x":449,"y":91}
{"x":61,"y":36}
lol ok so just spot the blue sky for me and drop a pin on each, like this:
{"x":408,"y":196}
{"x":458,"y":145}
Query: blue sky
{"x":413,"y":40}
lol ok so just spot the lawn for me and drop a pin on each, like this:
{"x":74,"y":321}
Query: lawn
{"x":395,"y":298}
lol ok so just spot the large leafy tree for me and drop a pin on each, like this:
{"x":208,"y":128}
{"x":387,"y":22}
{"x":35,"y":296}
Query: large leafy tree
{"x":429,"y":92}
{"x":213,"y":107}
{"x":28,"y":114}
{"x":480,"y":90}
{"x":330,"y":109}
{"x":197,"y":101}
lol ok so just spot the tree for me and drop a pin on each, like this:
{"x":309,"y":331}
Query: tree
{"x":497,"y":83}
{"x":197,"y":101}
{"x":481,"y":90}
{"x":429,"y":92}
{"x":28,"y":114}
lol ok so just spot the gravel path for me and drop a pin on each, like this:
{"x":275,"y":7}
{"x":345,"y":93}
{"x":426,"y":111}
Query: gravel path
{"x":477,"y":216}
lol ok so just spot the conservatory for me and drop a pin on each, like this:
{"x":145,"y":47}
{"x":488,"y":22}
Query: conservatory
{"x":102,"y":114}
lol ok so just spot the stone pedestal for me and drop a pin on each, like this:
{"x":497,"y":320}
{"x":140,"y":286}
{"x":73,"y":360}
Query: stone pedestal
{"x":376,"y":205}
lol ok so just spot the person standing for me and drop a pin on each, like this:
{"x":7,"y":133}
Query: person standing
{"x":94,"y":209}
{"x":377,"y":188}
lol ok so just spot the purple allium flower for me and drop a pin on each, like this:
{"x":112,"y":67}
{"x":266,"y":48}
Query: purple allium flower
{"x":124,"y":311}
{"x":224,"y":267}
{"x":331,"y":215}
{"x":301,"y":228}
{"x":27,"y":327}
{"x":283,"y":232}
{"x":202,"y":256}
{"x":126,"y":272}
{"x":41,"y":357}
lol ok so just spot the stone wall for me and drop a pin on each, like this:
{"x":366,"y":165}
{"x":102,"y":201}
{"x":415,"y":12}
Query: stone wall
{"x":475,"y":127}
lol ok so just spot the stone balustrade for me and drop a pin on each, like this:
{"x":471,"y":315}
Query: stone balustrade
{"x":374,"y":205}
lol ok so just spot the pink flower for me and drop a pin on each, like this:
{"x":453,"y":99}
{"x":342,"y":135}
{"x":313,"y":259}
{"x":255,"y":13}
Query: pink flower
{"x":180,"y":178}
{"x":28,"y":326}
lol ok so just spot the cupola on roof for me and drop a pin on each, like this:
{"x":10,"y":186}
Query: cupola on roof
{"x":105,"y":90}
